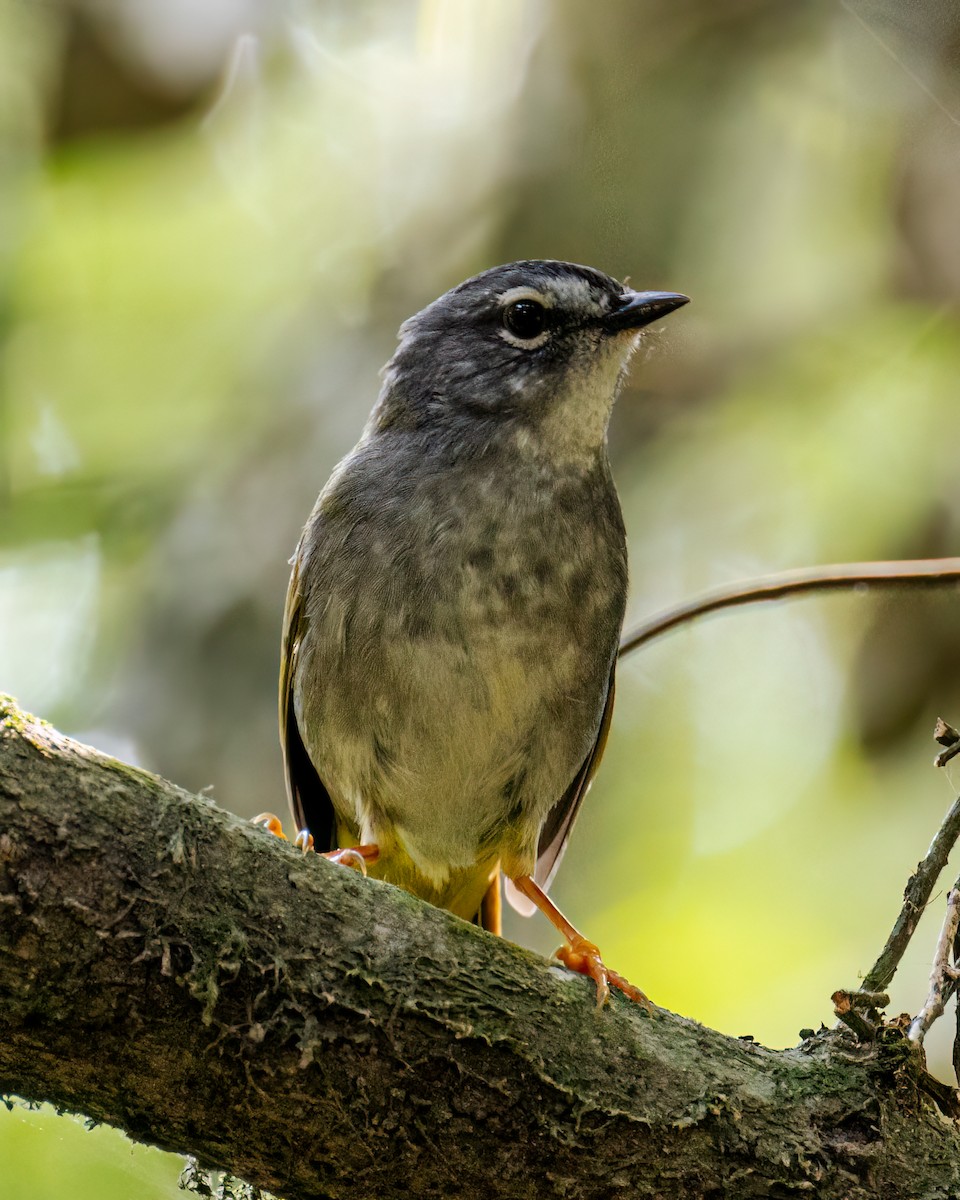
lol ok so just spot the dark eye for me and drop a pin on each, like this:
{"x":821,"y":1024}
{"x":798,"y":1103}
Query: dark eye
{"x":525,"y":319}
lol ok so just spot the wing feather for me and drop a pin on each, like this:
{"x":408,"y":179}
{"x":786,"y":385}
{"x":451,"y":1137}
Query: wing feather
{"x":560,"y":819}
{"x":309,"y":800}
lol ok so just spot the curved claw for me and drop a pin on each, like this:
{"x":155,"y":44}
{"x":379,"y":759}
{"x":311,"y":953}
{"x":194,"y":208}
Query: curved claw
{"x":271,"y":822}
{"x":584,"y":957}
{"x":631,"y":991}
{"x":304,"y":841}
{"x":348,"y":857}
{"x":579,"y":954}
{"x":354,"y":856}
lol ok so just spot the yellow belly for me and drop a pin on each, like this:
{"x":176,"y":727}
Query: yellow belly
{"x":460,"y":892}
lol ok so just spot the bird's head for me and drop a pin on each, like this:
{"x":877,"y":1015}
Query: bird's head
{"x":537,"y":349}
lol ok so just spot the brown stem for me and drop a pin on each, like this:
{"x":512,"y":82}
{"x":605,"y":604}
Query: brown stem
{"x":916,"y":896}
{"x":943,"y":978}
{"x":838,"y":577}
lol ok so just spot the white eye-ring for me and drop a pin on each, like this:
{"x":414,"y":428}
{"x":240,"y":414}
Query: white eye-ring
{"x":524,"y":318}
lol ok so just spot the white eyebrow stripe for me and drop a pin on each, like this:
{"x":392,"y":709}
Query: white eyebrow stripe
{"x":512,"y":295}
{"x":576,"y":294}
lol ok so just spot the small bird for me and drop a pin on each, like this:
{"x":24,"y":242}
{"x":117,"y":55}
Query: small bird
{"x":456,"y":599}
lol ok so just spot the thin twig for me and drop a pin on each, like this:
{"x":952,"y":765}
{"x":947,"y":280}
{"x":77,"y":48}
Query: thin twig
{"x":956,"y":1035}
{"x":946,"y":755}
{"x":843,"y":1000}
{"x":919,"y":572}
{"x":847,"y":1007}
{"x":916,"y":896}
{"x":943,"y":977}
{"x":865,"y":1030}
{"x":948,"y":737}
{"x":838,"y":577}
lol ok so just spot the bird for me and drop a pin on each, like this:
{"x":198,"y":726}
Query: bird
{"x":456,"y":599}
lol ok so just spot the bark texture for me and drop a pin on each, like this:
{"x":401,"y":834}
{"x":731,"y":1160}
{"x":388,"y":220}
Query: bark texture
{"x":172,"y":970}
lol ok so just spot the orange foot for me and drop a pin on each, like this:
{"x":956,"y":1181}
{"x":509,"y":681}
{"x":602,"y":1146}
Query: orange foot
{"x":579,"y":954}
{"x":354,"y":856}
{"x":348,"y":856}
{"x":583,"y":956}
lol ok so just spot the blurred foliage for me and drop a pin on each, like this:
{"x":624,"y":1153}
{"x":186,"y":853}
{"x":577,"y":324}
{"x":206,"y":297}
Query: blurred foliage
{"x":212,"y":220}
{"x":45,"y":1155}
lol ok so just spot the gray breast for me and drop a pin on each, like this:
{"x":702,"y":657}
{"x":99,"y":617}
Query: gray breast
{"x":462,"y":613}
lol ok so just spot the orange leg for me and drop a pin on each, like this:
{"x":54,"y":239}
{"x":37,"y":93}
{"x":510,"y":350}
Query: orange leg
{"x":579,"y":954}
{"x":347,"y":856}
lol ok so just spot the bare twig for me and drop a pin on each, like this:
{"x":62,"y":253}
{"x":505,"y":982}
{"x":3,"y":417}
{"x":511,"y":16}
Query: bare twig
{"x":843,"y":1000}
{"x":956,"y":1035}
{"x":846,"y":1005}
{"x":865,"y":1030}
{"x":916,"y":896}
{"x":943,"y":977}
{"x":948,"y":737}
{"x":838,"y":577}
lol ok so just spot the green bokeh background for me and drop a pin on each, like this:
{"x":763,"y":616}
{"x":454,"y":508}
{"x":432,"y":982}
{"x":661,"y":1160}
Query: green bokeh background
{"x":212,"y":220}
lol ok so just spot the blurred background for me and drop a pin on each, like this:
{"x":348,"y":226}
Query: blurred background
{"x":212,"y":220}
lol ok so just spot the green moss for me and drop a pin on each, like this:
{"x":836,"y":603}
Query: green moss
{"x":13,"y":717}
{"x":136,"y":775}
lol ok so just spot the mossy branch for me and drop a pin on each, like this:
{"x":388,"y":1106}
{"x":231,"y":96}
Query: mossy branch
{"x":174,"y":971}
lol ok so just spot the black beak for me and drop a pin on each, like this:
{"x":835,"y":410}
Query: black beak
{"x":637,"y":309}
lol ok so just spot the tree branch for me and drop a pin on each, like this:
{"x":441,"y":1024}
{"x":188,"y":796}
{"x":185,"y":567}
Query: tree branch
{"x":174,"y":971}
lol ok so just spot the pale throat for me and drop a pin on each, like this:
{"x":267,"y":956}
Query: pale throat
{"x":575,"y":429}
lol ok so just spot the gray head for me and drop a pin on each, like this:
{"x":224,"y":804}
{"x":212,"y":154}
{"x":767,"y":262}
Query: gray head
{"x":537,"y":349}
